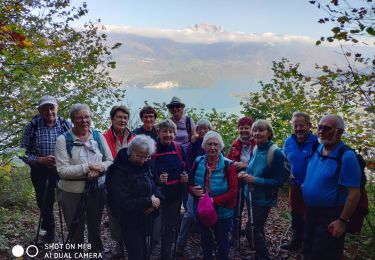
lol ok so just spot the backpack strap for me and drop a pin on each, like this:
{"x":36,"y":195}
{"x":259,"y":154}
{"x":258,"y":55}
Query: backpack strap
{"x":96,"y":137}
{"x":270,"y":153}
{"x":69,"y":142}
{"x":177,"y":151}
{"x":188,"y":126}
{"x":64,"y":124}
{"x":197,"y":162}
{"x":179,"y":154}
{"x":315,"y":146}
{"x":338,"y":158}
{"x":227,"y":164}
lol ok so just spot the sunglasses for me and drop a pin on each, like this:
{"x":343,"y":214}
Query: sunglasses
{"x":325,"y":128}
{"x":174,"y":106}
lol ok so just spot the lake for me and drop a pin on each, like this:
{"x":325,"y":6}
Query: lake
{"x":221,"y":96}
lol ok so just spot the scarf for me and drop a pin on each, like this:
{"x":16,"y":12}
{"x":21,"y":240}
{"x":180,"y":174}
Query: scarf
{"x":210,"y":168}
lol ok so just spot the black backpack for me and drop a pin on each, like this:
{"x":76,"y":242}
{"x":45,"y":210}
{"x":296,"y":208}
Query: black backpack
{"x":356,"y":221}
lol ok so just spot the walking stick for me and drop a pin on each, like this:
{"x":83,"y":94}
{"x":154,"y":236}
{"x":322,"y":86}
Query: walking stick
{"x":61,"y":223}
{"x":42,"y":210}
{"x":149,"y":236}
{"x":252,"y":249}
{"x":213,"y":243}
{"x":80,"y":210}
{"x":179,"y":220}
{"x":239,"y":215}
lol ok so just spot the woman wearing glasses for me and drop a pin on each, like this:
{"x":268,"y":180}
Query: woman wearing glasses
{"x":133,"y":195}
{"x":82,"y":157}
{"x":215,"y":174}
{"x":171,"y":167}
{"x":185,"y":125}
{"x":118,"y":136}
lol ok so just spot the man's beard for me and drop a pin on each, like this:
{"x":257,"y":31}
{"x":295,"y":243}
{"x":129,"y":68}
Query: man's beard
{"x":328,"y":142}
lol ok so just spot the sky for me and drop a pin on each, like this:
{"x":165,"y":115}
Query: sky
{"x":241,"y":20}
{"x":294,"y":17}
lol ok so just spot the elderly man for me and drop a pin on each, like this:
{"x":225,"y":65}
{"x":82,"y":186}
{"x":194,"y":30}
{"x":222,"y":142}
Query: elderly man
{"x":330,"y":198}
{"x":298,"y":147}
{"x":39,"y":141}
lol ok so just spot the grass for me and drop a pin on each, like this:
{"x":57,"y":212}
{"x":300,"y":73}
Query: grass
{"x":18,"y":211}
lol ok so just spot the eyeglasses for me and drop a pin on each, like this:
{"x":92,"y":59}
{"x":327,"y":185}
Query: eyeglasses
{"x":82,"y":118}
{"x":213,"y":144}
{"x":174,"y":106}
{"x":121,"y":117}
{"x":324,"y":128}
{"x":140,"y":157}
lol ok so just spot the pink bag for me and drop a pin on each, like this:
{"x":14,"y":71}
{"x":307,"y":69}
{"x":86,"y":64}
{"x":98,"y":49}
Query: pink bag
{"x":206,"y":211}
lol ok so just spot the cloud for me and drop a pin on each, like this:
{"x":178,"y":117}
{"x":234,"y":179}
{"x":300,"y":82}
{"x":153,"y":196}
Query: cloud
{"x":208,"y":34}
{"x":164,"y":85}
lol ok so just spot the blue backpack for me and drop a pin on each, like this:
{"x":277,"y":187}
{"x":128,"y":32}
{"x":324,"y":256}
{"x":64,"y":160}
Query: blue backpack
{"x":70,"y":143}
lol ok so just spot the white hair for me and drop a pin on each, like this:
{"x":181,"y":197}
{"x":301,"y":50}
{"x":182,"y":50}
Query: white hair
{"x":338,"y":119}
{"x":78,"y":107}
{"x":215,"y":135}
{"x":167,"y":123}
{"x":203,"y":122}
{"x":144,"y":142}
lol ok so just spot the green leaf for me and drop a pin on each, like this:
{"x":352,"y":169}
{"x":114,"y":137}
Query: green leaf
{"x":370,"y":31}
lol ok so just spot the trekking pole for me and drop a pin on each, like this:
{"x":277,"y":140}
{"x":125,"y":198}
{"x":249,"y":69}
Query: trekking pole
{"x":148,"y":237}
{"x":61,"y":223}
{"x":239,"y":215}
{"x":80,"y":210}
{"x":213,"y":244}
{"x":179,"y":220}
{"x":252,"y":249}
{"x":42,"y":210}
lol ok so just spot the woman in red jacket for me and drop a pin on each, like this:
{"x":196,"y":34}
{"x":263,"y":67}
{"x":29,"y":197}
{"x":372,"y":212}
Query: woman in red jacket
{"x":240,"y":152}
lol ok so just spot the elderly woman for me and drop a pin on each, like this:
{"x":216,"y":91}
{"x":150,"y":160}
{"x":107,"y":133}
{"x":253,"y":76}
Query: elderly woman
{"x":240,"y":152}
{"x":185,"y":125}
{"x":82,"y":157}
{"x":133,"y":195}
{"x":194,"y":150}
{"x":263,"y":176}
{"x":117,"y":136}
{"x":171,"y":167}
{"x":148,"y":116}
{"x":215,"y":174}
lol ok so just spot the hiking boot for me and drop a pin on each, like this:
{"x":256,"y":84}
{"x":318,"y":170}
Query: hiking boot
{"x":118,"y":251}
{"x":292,"y":245}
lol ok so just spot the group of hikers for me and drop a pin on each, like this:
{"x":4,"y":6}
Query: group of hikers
{"x":144,"y":177}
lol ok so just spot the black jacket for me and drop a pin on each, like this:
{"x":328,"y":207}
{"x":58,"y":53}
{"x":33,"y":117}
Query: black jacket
{"x":130,"y":187}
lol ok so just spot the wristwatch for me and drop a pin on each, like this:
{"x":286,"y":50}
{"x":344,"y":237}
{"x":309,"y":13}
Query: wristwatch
{"x":346,"y":221}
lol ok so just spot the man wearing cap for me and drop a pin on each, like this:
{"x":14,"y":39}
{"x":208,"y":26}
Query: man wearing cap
{"x":185,"y":125}
{"x":39,"y":141}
